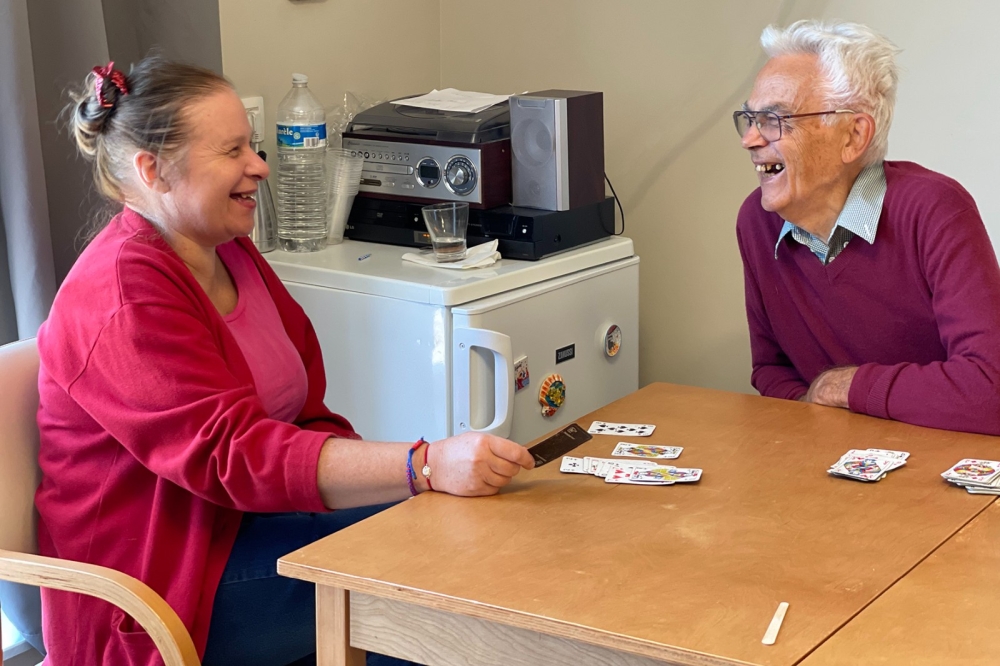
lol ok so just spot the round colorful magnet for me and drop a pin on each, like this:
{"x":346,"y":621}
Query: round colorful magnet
{"x":613,"y":340}
{"x":551,"y":394}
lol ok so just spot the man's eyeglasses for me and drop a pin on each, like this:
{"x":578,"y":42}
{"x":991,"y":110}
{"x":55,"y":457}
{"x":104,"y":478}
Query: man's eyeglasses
{"x":769,"y":123}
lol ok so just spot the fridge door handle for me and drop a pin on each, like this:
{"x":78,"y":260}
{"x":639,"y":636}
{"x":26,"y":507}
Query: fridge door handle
{"x":498,"y":343}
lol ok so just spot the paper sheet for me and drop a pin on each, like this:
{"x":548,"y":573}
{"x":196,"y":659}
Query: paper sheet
{"x":451,"y":99}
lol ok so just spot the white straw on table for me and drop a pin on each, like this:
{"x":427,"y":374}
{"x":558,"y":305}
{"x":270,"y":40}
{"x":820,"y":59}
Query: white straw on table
{"x":772,"y":629}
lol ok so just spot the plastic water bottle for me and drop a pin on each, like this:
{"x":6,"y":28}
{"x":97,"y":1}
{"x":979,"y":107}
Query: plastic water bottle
{"x":302,"y":182}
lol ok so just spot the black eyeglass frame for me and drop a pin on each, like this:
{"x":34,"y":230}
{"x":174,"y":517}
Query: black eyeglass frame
{"x":752,"y":116}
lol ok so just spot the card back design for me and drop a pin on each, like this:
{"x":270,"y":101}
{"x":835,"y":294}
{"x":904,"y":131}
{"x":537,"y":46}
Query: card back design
{"x":558,"y":444}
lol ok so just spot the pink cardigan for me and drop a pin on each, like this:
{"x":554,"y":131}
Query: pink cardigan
{"x":153,"y":439}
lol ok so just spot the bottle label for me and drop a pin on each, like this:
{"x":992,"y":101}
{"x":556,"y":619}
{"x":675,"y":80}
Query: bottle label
{"x":302,"y":136}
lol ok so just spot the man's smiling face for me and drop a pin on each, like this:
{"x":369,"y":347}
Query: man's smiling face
{"x":799,"y":172}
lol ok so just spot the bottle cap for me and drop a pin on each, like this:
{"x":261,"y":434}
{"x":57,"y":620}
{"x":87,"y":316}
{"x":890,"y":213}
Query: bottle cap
{"x":300,"y":78}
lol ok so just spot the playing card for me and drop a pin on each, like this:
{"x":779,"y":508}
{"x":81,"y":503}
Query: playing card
{"x":571,"y":465}
{"x":862,"y":466}
{"x":889,"y":460}
{"x":630,"y":450}
{"x":888,"y":453}
{"x":627,"y":429}
{"x":620,"y":474}
{"x":666,"y":474}
{"x":975,"y":490}
{"x":626,"y":474}
{"x":973,"y":470}
{"x":558,"y":444}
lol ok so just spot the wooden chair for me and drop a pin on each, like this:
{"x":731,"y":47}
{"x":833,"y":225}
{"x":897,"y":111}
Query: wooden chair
{"x":19,"y":477}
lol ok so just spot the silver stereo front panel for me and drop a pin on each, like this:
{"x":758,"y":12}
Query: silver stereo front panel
{"x":419,"y":171}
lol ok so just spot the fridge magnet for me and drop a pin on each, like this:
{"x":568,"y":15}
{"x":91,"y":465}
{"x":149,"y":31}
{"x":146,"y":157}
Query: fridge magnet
{"x":551,"y":394}
{"x":521,"y":376}
{"x":613,"y":340}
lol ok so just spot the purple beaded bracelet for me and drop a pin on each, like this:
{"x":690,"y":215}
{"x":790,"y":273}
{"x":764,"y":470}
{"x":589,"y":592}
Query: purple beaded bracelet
{"x":410,"y":473}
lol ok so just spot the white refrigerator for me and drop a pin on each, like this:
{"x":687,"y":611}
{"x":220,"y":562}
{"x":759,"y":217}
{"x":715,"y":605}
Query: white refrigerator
{"x":413,"y":351}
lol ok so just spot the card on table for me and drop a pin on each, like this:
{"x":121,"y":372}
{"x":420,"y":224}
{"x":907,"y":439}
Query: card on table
{"x":571,"y":465}
{"x":860,"y":467}
{"x":627,"y":449}
{"x":973,"y":471}
{"x":627,"y":429}
{"x":558,"y":444}
{"x":666,"y":474}
{"x":867,"y":465}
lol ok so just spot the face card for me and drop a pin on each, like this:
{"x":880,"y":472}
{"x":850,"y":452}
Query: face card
{"x":558,"y":444}
{"x":973,"y":470}
{"x":571,"y":465}
{"x":862,"y":466}
{"x":666,"y":475}
{"x":626,"y":429}
{"x":629,"y":450}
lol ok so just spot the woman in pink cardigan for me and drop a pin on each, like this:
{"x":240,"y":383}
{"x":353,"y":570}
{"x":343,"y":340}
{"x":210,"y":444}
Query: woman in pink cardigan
{"x":184,"y":439}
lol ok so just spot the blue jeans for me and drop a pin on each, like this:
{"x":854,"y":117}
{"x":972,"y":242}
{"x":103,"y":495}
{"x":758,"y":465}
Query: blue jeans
{"x":261,"y":618}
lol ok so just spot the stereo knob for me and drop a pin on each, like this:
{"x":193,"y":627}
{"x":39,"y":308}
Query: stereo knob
{"x":460,"y":175}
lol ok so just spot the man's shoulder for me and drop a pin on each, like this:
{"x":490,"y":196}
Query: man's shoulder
{"x":911,"y":182}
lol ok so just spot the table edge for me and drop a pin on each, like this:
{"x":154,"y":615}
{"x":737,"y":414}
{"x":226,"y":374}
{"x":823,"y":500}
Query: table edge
{"x":508,"y":617}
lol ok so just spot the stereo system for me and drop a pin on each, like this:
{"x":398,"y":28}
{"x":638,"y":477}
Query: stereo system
{"x":531,"y":170}
{"x":426,"y":155}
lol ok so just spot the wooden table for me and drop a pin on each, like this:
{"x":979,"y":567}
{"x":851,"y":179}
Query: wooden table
{"x":943,"y":612}
{"x":566,"y":569}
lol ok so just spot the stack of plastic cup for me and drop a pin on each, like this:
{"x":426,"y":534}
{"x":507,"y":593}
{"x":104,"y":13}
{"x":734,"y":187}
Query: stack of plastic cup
{"x":344,"y":174}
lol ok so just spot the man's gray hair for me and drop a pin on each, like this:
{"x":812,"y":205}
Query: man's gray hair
{"x":859,"y":66}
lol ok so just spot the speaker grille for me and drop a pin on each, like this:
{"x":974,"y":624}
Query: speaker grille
{"x":532,"y":143}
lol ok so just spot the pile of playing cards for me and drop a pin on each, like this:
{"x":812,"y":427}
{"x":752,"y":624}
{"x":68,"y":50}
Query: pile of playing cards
{"x":639,"y":472}
{"x":979,"y":477}
{"x":868,"y":465}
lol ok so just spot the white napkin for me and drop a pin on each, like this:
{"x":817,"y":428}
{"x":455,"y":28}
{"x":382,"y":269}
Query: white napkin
{"x":479,"y":256}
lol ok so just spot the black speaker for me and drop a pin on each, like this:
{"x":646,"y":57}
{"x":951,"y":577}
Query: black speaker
{"x":557,"y":140}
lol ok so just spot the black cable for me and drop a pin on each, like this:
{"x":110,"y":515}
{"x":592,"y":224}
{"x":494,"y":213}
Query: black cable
{"x":617,"y":201}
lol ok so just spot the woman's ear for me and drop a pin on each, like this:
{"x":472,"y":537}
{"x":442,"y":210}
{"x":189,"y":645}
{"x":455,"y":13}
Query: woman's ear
{"x":149,"y":171}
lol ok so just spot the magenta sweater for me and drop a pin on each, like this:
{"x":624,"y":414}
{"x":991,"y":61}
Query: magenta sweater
{"x":918,"y":310}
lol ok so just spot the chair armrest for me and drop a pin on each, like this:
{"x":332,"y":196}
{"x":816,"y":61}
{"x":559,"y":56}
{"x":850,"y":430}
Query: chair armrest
{"x":127,"y":593}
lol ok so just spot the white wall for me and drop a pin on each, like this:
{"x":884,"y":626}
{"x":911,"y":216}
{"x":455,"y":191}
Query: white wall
{"x":672,"y":72}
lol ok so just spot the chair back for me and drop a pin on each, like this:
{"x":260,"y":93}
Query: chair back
{"x":19,"y":471}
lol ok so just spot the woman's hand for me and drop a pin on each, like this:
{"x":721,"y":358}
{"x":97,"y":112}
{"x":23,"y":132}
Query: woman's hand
{"x":473,"y":464}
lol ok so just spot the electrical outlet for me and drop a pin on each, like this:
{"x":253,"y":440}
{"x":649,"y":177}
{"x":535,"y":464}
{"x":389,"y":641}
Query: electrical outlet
{"x":255,"y":112}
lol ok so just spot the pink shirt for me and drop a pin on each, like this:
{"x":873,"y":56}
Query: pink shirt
{"x":277,"y":369}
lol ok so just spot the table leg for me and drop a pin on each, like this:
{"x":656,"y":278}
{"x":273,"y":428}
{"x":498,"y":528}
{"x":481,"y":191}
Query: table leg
{"x":333,"y":629}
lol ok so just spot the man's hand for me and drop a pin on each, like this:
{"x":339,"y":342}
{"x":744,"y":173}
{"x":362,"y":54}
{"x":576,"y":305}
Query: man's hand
{"x":831,"y":388}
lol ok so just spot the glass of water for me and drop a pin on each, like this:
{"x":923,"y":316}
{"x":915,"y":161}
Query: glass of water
{"x":447,"y":224}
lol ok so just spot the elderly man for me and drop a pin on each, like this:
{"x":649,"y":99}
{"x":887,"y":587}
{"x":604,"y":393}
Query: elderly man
{"x":870,"y":284}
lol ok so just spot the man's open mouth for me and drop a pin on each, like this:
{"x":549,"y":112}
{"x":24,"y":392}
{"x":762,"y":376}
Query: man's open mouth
{"x":770,"y":169}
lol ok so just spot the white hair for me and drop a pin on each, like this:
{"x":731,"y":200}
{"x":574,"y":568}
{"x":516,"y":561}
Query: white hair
{"x":859,"y":66}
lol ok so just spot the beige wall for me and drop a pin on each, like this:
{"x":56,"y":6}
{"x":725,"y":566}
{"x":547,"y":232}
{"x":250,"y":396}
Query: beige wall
{"x":379,"y":48}
{"x":672,"y":72}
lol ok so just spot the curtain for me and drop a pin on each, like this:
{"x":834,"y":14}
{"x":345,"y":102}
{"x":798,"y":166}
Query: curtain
{"x":46,"y":193}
